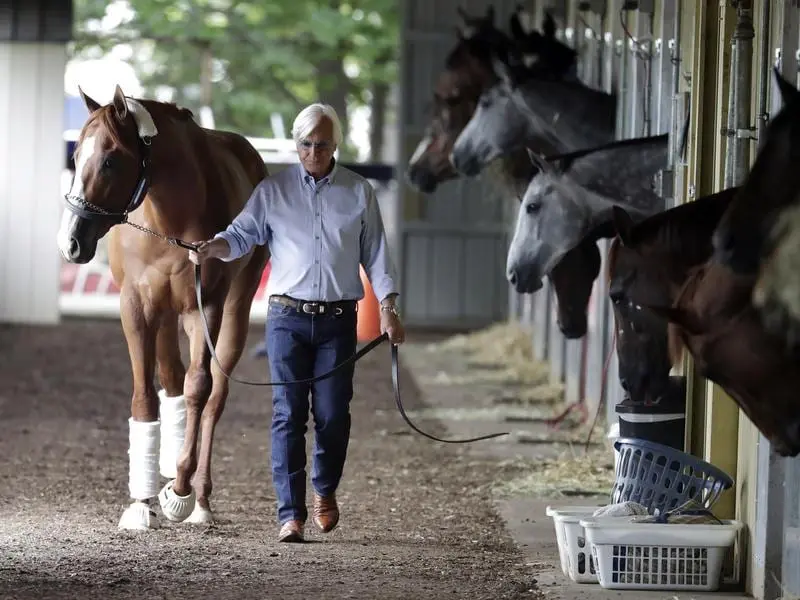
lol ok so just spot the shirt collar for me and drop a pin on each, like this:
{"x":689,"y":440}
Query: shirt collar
{"x":309,"y":180}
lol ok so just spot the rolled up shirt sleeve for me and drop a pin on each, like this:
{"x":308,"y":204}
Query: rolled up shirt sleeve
{"x":250,"y":227}
{"x":375,"y":249}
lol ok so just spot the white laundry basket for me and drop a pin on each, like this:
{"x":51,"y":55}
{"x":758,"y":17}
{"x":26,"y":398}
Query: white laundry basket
{"x":558,"y":513}
{"x":658,"y":556}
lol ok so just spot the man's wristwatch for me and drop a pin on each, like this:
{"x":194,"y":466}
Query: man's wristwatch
{"x":390,"y":308}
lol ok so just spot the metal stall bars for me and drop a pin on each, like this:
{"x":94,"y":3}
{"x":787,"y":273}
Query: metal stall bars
{"x":547,"y":312}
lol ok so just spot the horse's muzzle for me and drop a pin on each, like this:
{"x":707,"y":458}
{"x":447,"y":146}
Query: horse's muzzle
{"x":524,"y":283}
{"x":422,"y":179}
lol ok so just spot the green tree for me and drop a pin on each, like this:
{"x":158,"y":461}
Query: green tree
{"x":249,"y":59}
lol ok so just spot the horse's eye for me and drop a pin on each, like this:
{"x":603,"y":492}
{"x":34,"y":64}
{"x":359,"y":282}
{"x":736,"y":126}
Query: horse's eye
{"x":484,"y":102}
{"x":108,"y":163}
{"x":533,"y":208}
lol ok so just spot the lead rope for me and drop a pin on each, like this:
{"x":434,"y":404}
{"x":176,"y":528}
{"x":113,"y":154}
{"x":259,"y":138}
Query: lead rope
{"x":351,"y":359}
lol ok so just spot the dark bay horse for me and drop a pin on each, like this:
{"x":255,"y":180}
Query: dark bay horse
{"x":648,"y":264}
{"x":467,"y":73}
{"x":760,"y":231}
{"x":150,"y":163}
{"x":663,"y":268}
{"x":713,"y":317}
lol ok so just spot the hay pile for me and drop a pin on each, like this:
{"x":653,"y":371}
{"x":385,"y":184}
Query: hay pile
{"x":572,"y":473}
{"x":501,"y":353}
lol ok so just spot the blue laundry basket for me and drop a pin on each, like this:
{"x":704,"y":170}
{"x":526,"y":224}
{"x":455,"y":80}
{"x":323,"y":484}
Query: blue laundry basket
{"x":662,"y":478}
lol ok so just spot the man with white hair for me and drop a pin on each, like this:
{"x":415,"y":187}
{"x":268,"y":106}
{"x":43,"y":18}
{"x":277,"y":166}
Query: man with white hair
{"x":321,"y":222}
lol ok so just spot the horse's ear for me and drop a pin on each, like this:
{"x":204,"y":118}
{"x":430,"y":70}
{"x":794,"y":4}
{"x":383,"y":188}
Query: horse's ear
{"x":623,"y":224}
{"x":525,"y":20}
{"x":120,"y":105}
{"x":503,"y":70}
{"x":787,"y":90}
{"x":490,"y":14}
{"x":679,"y":317}
{"x":91,"y":104}
{"x":549,"y":26}
{"x":537,"y":160}
{"x":514,"y":25}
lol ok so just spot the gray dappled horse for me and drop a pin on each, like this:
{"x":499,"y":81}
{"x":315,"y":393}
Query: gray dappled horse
{"x":570,"y":200}
{"x":545,"y":115}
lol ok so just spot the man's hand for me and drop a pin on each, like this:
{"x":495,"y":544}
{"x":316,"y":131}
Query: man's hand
{"x":214,"y":248}
{"x":391,"y":324}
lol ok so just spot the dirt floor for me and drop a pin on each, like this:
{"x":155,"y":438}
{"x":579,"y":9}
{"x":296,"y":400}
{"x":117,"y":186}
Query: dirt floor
{"x":418,"y":520}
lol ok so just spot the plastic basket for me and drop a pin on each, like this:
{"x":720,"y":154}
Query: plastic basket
{"x":662,"y":478}
{"x":658,"y":556}
{"x":556,"y":512}
{"x":581,"y":564}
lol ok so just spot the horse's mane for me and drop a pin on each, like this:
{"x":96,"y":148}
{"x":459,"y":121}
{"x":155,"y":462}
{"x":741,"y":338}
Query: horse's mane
{"x":683,"y":232}
{"x":565,"y":159}
{"x":481,"y":45}
{"x":675,"y":346}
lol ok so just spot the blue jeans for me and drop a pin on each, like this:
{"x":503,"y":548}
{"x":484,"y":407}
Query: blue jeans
{"x":301,"y":346}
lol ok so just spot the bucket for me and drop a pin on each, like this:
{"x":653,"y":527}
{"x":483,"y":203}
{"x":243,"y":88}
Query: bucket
{"x":612,"y":436}
{"x":662,"y":423}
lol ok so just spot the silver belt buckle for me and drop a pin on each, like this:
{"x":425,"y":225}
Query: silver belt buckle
{"x":309,"y":306}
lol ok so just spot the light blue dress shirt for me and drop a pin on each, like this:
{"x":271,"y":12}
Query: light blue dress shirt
{"x":317,"y":233}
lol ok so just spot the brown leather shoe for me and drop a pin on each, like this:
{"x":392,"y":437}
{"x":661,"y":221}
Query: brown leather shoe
{"x":326,"y":512}
{"x":291,"y":531}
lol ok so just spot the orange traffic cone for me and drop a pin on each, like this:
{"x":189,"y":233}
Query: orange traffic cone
{"x":368,"y":319}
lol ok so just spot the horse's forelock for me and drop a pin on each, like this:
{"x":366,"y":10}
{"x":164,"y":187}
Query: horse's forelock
{"x":675,"y":344}
{"x":611,"y":259}
{"x":105,"y":120}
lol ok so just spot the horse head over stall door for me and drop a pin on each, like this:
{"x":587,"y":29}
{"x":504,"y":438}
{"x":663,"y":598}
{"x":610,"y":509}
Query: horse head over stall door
{"x":468,"y":72}
{"x":713,"y":315}
{"x":760,"y":234}
{"x":571,"y":201}
{"x":149,"y":164}
{"x":648,"y":264}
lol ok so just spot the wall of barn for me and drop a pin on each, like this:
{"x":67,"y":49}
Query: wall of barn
{"x":33,"y":40}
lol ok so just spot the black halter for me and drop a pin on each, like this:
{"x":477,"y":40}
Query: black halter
{"x":81,"y":207}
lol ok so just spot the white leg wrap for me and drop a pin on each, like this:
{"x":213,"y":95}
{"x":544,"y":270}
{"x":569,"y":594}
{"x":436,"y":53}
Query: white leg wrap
{"x":173,"y":431}
{"x":143,"y":459}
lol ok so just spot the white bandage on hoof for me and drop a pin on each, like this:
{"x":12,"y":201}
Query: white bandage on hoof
{"x":138,"y":517}
{"x":200,"y":516}
{"x":174,"y":507}
{"x":173,"y":431}
{"x":143,"y":451}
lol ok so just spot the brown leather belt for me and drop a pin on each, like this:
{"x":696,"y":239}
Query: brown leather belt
{"x":314,"y":307}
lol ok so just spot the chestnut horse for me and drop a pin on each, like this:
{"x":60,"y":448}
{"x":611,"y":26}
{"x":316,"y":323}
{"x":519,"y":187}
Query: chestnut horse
{"x":149,"y":164}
